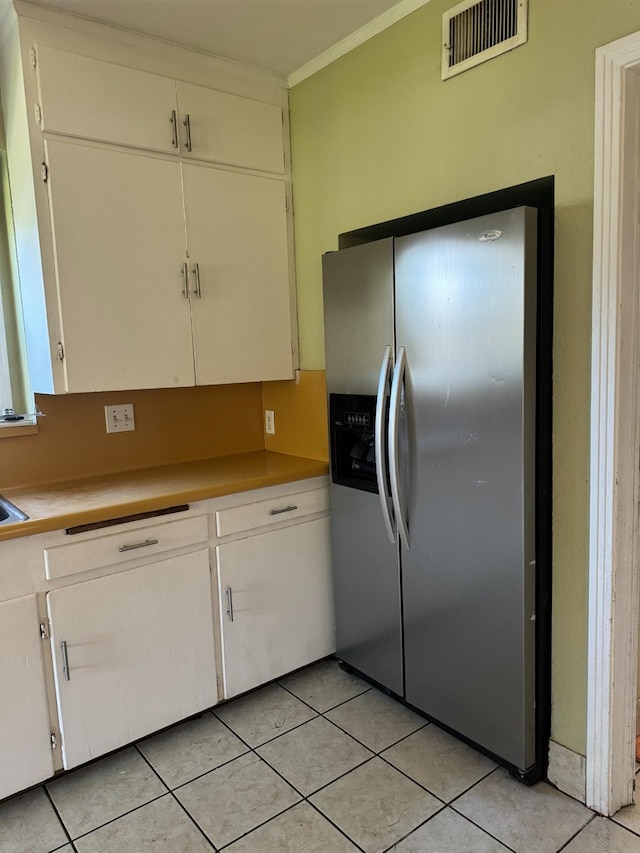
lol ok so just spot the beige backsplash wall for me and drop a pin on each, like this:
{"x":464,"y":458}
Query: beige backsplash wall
{"x":172,"y":425}
{"x":300,"y":409}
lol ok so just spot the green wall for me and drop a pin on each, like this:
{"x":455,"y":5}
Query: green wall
{"x":377,"y":135}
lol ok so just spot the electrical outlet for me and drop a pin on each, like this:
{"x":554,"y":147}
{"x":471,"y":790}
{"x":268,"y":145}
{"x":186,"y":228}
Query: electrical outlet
{"x":120,"y":418}
{"x":269,"y":422}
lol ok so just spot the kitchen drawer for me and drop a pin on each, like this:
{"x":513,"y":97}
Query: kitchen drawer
{"x":261,"y":513}
{"x":125,"y":545}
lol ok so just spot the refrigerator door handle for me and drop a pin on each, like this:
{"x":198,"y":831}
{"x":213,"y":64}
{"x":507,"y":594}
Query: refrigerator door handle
{"x":394,"y":422}
{"x":381,"y":461}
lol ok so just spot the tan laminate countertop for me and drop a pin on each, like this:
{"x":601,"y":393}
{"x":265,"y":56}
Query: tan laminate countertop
{"x":52,"y":506}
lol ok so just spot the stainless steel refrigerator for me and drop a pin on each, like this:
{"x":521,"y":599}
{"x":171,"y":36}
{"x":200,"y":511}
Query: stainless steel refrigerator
{"x":431,"y":375}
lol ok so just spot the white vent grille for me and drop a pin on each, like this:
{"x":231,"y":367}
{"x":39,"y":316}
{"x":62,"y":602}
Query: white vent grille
{"x":475,"y":31}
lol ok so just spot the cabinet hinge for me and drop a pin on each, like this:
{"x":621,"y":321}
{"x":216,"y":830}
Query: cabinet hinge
{"x":45,"y":173}
{"x":34,"y":57}
{"x":54,"y":739}
{"x":38,"y":114}
{"x":218,"y":685}
{"x":286,"y":204}
{"x":60,"y":351}
{"x":44,"y":630}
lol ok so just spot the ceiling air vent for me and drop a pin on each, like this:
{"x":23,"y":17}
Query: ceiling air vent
{"x":475,"y":31}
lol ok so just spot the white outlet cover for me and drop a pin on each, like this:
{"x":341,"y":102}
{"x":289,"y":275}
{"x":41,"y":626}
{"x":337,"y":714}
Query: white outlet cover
{"x":269,"y":422}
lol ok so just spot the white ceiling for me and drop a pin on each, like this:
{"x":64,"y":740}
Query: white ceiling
{"x":280,"y":36}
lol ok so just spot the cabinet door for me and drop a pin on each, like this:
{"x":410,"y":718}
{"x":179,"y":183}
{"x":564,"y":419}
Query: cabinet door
{"x":138,"y":653}
{"x":276,"y":603}
{"x":106,"y":102}
{"x":25,"y":746}
{"x":228,"y":129}
{"x":118,"y":229}
{"x":237,"y":234}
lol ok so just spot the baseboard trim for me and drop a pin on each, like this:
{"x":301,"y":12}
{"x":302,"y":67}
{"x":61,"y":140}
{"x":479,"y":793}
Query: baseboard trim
{"x":567,"y":771}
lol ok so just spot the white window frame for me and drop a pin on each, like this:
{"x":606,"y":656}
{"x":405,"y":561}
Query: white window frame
{"x":7,"y":272}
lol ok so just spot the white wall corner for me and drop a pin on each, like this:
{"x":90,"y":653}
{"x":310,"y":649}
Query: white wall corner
{"x":567,"y":770}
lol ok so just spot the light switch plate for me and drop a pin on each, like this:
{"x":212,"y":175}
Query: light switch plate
{"x":120,"y":418}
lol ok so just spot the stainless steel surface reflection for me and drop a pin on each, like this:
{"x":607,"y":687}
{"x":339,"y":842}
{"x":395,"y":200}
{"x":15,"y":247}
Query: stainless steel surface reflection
{"x":10,"y":514}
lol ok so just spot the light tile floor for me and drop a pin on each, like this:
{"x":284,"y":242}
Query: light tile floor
{"x":320,"y":763}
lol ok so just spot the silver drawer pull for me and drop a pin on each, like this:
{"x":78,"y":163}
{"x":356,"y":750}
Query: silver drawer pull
{"x":144,"y":544}
{"x":285,"y":509}
{"x":65,"y":661}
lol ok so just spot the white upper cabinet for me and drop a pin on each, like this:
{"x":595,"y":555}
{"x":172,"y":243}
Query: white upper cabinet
{"x":92,"y":99}
{"x":240,"y":298}
{"x":224,"y":128}
{"x":118,"y":231}
{"x":98,"y":100}
{"x":155,"y":249}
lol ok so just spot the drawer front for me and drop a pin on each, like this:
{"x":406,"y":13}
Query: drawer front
{"x":115,"y":548}
{"x":262,"y":513}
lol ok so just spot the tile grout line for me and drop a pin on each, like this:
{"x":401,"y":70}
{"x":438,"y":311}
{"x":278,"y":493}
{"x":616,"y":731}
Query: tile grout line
{"x":623,"y":825}
{"x":333,"y":707}
{"x":124,"y":814}
{"x":275,"y":737}
{"x":170,"y":791}
{"x":482,"y":829}
{"x":576,"y":834}
{"x":304,"y":799}
{"x":211,"y":770}
{"x":374,"y":754}
{"x":58,"y":815}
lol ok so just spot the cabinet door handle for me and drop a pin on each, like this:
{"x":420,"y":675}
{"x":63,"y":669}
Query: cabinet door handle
{"x":196,"y":272}
{"x":187,"y":124}
{"x":229,"y":594}
{"x":284,"y":509}
{"x":185,"y":279}
{"x":137,"y":545}
{"x":65,"y":661}
{"x":174,"y":125}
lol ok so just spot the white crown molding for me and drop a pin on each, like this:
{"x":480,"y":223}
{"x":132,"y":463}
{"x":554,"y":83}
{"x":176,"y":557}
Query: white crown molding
{"x":382,"y":22}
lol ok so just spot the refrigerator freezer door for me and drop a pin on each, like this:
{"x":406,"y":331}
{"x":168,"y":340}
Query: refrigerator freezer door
{"x":366,"y":581}
{"x":358,"y":306}
{"x":465,"y":311}
{"x":358,"y":315}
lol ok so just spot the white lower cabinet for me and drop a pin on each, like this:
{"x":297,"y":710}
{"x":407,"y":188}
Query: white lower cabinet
{"x":25,"y":747}
{"x":133,"y":645}
{"x":276,"y":603}
{"x":133,"y":652}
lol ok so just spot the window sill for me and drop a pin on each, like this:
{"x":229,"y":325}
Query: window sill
{"x":15,"y":429}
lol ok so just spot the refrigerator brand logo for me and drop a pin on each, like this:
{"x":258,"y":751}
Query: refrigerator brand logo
{"x":490,"y":236}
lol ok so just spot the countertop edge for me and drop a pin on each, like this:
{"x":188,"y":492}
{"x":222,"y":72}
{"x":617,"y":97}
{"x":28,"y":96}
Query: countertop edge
{"x":309,"y":469}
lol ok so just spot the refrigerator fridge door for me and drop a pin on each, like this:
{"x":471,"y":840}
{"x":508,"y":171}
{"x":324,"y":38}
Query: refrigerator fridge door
{"x":466,"y":314}
{"x":358,"y":306}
